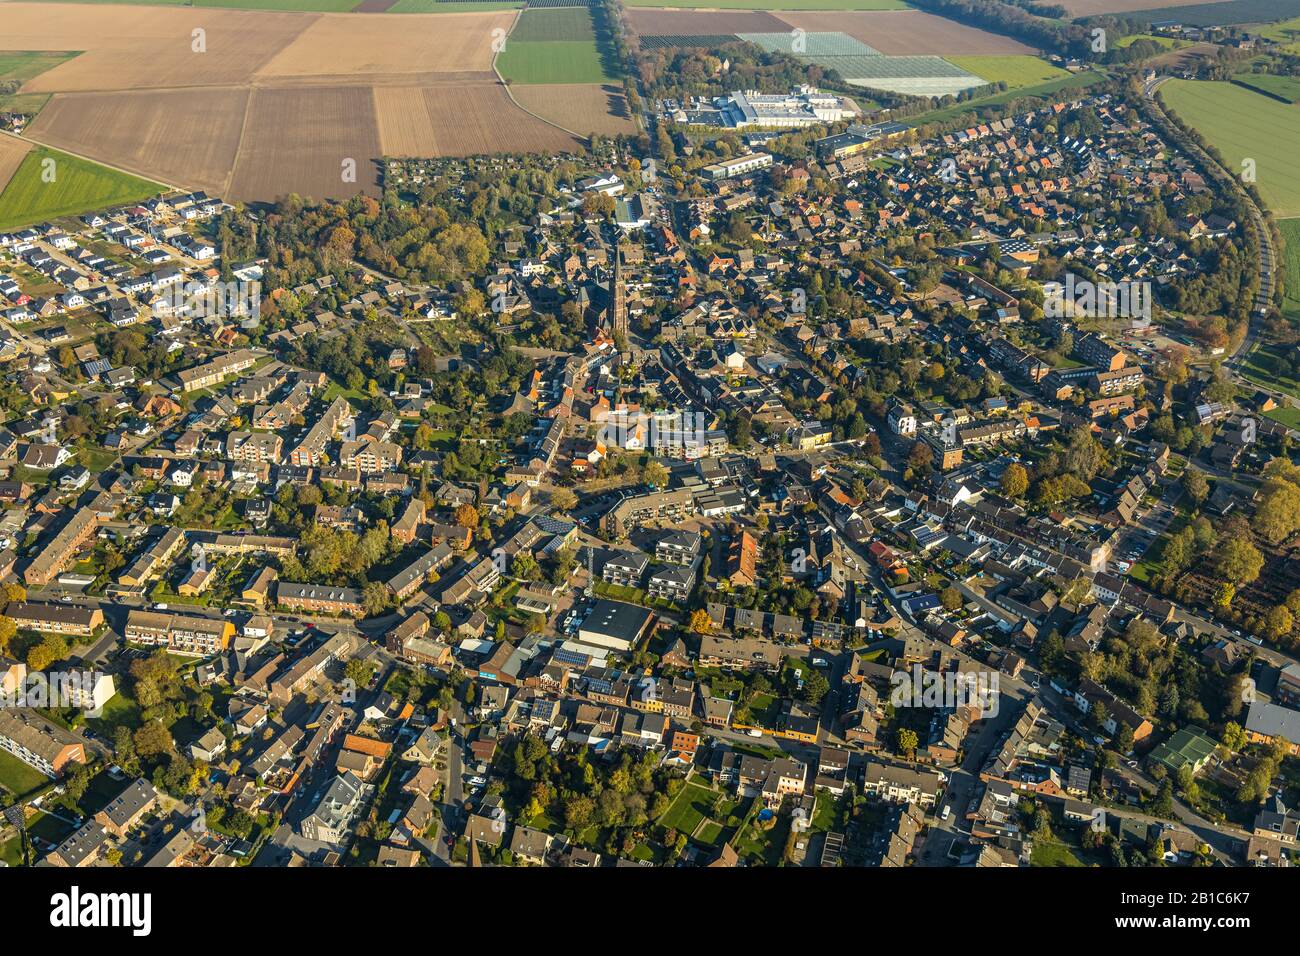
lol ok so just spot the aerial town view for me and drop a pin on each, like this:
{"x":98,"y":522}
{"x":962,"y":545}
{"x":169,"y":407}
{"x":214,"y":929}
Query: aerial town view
{"x":499,"y":435}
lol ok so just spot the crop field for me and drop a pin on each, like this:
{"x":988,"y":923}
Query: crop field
{"x":1243,"y":125}
{"x":144,"y":47}
{"x":811,"y":44}
{"x":554,"y":62}
{"x":771,"y":4}
{"x":583,"y":108}
{"x":453,"y":6}
{"x":1286,"y":87}
{"x":175,"y":136}
{"x":555,"y":23}
{"x":338,"y":122}
{"x":1225,"y":13}
{"x":276,"y":100}
{"x":24,"y":66}
{"x":1018,"y":72}
{"x":460,"y":121}
{"x":77,"y":186}
{"x":1290,"y":229}
{"x":906,"y":32}
{"x":355,"y":45}
{"x":12,"y":151}
{"x":688,"y":40}
{"x":703,"y":22}
{"x":1091,"y":8}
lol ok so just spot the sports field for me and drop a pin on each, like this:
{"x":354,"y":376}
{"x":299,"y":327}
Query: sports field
{"x":1017,"y":72}
{"x":78,"y":186}
{"x":1243,"y":125}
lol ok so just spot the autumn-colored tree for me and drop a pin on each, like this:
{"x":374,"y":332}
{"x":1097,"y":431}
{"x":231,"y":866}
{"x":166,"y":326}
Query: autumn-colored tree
{"x":701,"y":623}
{"x":1015,"y":480}
{"x":467,"y":516}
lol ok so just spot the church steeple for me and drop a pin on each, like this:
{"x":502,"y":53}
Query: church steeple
{"x":616,"y":315}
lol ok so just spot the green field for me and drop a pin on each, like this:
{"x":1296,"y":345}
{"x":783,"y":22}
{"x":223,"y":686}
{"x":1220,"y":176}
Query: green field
{"x":316,"y":6}
{"x":1224,"y":13}
{"x":553,"y":23}
{"x":771,"y":4}
{"x":1290,"y":417}
{"x":79,"y":186}
{"x":1287,"y":87}
{"x":1243,"y":125}
{"x":24,"y":66}
{"x":554,"y":61}
{"x":1287,"y":33}
{"x":1168,"y":43}
{"x":1290,"y":229}
{"x":1018,"y":72}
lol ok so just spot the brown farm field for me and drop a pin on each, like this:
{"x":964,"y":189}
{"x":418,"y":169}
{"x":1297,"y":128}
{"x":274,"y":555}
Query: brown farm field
{"x":355,"y":44}
{"x":297,"y":140}
{"x":907,"y":32}
{"x":274,"y":102}
{"x":174,"y":136}
{"x":127,"y":47}
{"x":12,"y":151}
{"x":582,"y":107}
{"x":460,"y":121}
{"x":652,"y":21}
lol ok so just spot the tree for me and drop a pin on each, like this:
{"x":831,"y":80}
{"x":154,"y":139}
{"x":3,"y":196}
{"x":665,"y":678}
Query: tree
{"x":152,"y":739}
{"x":951,"y":598}
{"x":1195,"y":486}
{"x":701,"y":623}
{"x":1278,"y":514}
{"x":7,"y":632}
{"x":562,"y":499}
{"x":907,"y":742}
{"x":1015,"y":480}
{"x":1278,"y":622}
{"x":467,"y":516}
{"x":920,"y":456}
{"x":52,"y":648}
{"x":654,"y":474}
{"x":1237,"y":559}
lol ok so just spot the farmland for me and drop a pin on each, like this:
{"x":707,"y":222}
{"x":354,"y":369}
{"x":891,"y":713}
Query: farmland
{"x":557,"y":45}
{"x":12,"y":151}
{"x":1018,"y":72}
{"x":908,"y":33}
{"x":460,"y":121}
{"x":177,"y":136}
{"x":1287,"y":32}
{"x":1242,"y":124}
{"x":583,"y":108}
{"x":23,"y":66}
{"x":703,"y":22}
{"x":340,"y":124}
{"x":78,"y":186}
{"x":1285,"y":87}
{"x":1227,"y":12}
{"x":1290,"y":229}
{"x":1089,"y":8}
{"x":281,"y":98}
{"x":772,"y":4}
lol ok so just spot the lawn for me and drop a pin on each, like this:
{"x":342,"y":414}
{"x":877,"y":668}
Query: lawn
{"x":772,"y":4}
{"x":692,"y":805}
{"x":554,"y":61}
{"x":1018,"y":72}
{"x":17,"y":777}
{"x":1242,"y":125}
{"x":1167,"y":43}
{"x":78,"y":186}
{"x":1290,"y":417}
{"x":1054,"y":854}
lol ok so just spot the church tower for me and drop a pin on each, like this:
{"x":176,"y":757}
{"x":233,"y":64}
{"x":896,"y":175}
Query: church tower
{"x":616,"y":317}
